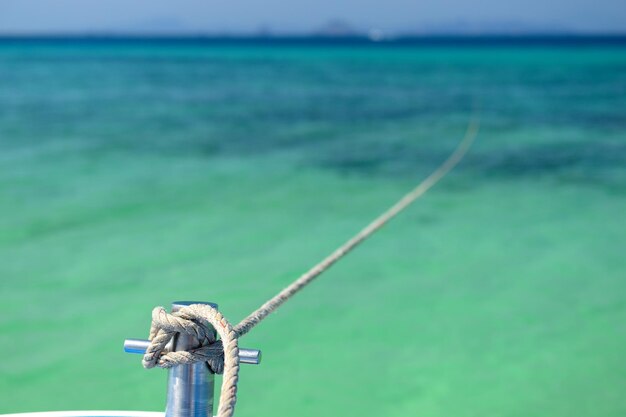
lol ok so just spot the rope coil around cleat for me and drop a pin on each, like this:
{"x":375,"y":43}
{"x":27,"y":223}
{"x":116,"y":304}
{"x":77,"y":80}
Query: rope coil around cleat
{"x":223,"y":356}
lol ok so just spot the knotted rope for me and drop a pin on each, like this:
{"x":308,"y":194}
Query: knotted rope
{"x":223,"y":356}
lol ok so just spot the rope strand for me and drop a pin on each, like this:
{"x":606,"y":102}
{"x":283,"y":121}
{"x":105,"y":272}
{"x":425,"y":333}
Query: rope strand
{"x":279,"y":299}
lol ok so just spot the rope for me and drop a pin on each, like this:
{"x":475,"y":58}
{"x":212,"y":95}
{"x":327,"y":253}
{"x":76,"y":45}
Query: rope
{"x":279,"y":299}
{"x":165,"y":326}
{"x":223,"y":355}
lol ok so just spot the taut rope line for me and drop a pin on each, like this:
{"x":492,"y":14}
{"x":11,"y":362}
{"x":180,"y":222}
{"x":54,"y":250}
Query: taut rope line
{"x":270,"y":306}
{"x":222,"y":356}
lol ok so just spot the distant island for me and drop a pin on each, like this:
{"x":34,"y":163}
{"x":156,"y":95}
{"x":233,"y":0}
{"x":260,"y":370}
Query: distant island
{"x":337,"y":29}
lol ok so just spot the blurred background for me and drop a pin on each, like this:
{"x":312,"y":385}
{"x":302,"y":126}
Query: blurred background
{"x":153,"y":151}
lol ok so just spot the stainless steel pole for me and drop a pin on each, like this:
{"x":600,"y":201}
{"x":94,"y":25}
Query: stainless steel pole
{"x":190,"y":388}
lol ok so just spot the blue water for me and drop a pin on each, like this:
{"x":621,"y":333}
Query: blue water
{"x":137,"y":172}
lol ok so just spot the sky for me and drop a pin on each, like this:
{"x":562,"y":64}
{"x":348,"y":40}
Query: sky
{"x":301,"y":17}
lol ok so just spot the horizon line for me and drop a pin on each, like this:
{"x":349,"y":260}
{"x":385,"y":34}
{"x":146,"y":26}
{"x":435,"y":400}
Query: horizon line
{"x":304,"y":36}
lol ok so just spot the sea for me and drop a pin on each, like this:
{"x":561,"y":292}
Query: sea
{"x":135,"y":172}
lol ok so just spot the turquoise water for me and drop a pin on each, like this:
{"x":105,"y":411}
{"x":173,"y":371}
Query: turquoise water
{"x":135,"y":174}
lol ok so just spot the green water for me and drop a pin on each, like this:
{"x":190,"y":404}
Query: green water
{"x":132,"y":175}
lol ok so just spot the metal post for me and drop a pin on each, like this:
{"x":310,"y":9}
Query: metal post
{"x":189,"y":387}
